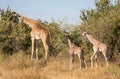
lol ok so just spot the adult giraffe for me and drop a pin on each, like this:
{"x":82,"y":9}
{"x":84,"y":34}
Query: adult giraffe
{"x":97,"y":46}
{"x":37,"y":32}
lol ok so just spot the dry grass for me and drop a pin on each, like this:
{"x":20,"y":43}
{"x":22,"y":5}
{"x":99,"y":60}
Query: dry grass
{"x":19,"y":66}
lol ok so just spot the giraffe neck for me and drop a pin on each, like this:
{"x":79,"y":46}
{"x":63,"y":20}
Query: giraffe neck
{"x":28,"y":21}
{"x":91,"y":39}
{"x":70,"y":42}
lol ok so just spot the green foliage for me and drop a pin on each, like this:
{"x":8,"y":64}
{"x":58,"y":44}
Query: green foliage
{"x":103,"y":23}
{"x":12,"y":34}
{"x":56,"y":38}
{"x":15,"y":36}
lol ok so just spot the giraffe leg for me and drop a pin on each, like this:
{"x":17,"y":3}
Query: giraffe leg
{"x":95,"y":49}
{"x":46,"y":48}
{"x":36,"y":43}
{"x":85,"y":63}
{"x":92,"y":60}
{"x":106,"y":58}
{"x":80,"y":64}
{"x":96,"y":64}
{"x":71,"y":61}
{"x":46,"y":52}
{"x":80,"y":61}
{"x":32,"y":47}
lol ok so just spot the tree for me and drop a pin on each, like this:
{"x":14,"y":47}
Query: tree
{"x":104,"y":23}
{"x":10,"y":34}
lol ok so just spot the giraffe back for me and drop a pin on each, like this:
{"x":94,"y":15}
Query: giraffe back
{"x":39,"y":32}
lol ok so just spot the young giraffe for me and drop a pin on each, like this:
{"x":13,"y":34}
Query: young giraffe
{"x":73,"y":49}
{"x":37,"y":32}
{"x":97,"y":46}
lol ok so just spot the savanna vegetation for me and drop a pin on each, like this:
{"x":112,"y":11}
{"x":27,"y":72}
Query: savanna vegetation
{"x":103,"y":23}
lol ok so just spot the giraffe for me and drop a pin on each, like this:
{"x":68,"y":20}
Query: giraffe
{"x":37,"y":32}
{"x":97,"y":46}
{"x":73,"y":49}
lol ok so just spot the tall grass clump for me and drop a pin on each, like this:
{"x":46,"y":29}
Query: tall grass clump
{"x":16,"y":61}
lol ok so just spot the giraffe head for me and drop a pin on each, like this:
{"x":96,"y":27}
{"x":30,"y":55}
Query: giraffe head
{"x":15,"y":14}
{"x":67,"y":34}
{"x":85,"y":33}
{"x":14,"y":17}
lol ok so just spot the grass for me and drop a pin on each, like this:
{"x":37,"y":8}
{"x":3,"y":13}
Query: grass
{"x":19,"y":66}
